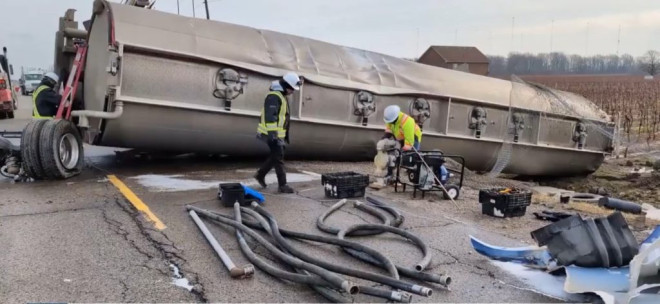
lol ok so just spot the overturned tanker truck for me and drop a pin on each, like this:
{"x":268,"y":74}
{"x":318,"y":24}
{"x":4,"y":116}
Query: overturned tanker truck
{"x":156,"y":81}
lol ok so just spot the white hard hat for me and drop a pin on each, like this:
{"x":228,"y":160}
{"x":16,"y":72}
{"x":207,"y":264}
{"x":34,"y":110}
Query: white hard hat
{"x":293,"y":80}
{"x":391,"y":113}
{"x":53,"y":76}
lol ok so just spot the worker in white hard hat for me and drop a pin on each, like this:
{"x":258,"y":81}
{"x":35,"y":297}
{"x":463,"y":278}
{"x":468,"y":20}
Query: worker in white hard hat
{"x":274,"y":129}
{"x":402,"y":127}
{"x":45,"y":100}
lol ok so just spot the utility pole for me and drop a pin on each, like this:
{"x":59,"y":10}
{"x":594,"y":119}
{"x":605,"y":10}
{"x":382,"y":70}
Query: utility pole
{"x":206,"y":5}
{"x":552,"y":34}
{"x":417,"y":44}
{"x":193,"y":3}
{"x":586,"y":47}
{"x":513,"y":24}
{"x":178,"y":10}
{"x":618,"y":41}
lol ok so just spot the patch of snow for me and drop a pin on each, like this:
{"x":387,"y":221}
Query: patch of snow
{"x":539,"y":280}
{"x":642,"y":170}
{"x":178,"y":279}
{"x":175,"y":183}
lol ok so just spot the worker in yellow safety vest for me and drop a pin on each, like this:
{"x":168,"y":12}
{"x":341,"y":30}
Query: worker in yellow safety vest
{"x":402,"y":127}
{"x":274,"y":129}
{"x":45,"y":99}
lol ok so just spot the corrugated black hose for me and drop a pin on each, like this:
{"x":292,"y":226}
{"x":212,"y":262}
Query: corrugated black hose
{"x":373,"y":291}
{"x":303,"y":277}
{"x":413,"y":288}
{"x":335,"y":281}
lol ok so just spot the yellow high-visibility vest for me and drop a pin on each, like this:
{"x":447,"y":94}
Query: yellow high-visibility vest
{"x":35,"y":94}
{"x":405,"y":128}
{"x":278,"y":126}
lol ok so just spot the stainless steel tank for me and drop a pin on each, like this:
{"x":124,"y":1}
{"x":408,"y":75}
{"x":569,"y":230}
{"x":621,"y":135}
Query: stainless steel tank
{"x":182,"y":84}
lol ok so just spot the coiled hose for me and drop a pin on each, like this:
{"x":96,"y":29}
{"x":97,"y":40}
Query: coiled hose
{"x":373,"y":291}
{"x":398,"y":217}
{"x":396,"y":283}
{"x":320,"y":221}
{"x":334,"y":280}
{"x":304,"y":277}
{"x":416,"y":273}
{"x":358,"y":250}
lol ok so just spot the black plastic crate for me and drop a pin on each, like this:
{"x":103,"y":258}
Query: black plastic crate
{"x":514,"y":198}
{"x":344,"y":184}
{"x":511,"y":204}
{"x":229,"y":193}
{"x":492,"y":210}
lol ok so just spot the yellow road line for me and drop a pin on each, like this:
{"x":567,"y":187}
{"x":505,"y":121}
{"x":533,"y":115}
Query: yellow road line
{"x":136,"y":201}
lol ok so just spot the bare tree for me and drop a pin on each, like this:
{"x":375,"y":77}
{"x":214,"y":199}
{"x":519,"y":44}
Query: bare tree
{"x":650,"y":62}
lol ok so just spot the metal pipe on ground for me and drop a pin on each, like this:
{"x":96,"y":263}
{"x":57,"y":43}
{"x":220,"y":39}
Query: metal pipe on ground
{"x":619,"y":204}
{"x":336,"y":281}
{"x":236,"y":272}
{"x":414,"y":288}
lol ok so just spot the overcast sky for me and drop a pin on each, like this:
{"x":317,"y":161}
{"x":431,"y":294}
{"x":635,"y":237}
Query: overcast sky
{"x":402,"y":28}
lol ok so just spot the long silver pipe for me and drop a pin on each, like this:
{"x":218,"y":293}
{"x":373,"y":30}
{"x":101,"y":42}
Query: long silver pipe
{"x":119,"y":110}
{"x":235,"y":272}
{"x":84,"y":114}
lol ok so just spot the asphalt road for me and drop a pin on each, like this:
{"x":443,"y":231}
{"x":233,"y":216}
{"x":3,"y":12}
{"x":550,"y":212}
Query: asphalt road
{"x":81,"y":240}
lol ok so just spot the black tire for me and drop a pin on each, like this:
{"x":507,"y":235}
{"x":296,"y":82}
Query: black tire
{"x":453,"y":192}
{"x":10,"y":115}
{"x":30,"y":142}
{"x":3,"y":115}
{"x":56,"y":136}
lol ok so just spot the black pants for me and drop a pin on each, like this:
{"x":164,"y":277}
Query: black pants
{"x":275,"y":160}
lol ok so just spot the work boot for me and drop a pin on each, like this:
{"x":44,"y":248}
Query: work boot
{"x":286,"y":189}
{"x":261,"y":180}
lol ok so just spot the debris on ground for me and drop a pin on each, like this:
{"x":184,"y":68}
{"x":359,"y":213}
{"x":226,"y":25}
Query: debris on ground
{"x":323,"y":276}
{"x":632,"y":278}
{"x":552,"y":216}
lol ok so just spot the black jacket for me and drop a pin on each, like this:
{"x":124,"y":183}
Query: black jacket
{"x":48,"y":101}
{"x":272,"y":112}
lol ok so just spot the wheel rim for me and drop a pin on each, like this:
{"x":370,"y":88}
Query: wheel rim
{"x":452,"y":193}
{"x":69,"y":153}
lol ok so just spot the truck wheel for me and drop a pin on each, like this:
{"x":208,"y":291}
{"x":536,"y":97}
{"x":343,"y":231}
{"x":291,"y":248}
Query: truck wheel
{"x":452,"y":192}
{"x":10,"y":115}
{"x":30,"y":149}
{"x":61,"y":151}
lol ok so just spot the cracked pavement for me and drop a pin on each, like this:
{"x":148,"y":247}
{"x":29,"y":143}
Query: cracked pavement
{"x":79,"y":240}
